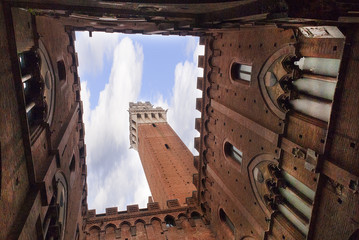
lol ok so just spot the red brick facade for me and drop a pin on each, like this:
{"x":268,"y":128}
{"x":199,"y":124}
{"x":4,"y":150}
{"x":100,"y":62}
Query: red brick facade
{"x":169,"y":168}
{"x":283,"y":154}
{"x":151,"y":223}
{"x":268,"y":167}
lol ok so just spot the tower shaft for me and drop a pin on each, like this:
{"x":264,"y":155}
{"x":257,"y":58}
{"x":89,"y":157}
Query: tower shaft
{"x":167,"y":162}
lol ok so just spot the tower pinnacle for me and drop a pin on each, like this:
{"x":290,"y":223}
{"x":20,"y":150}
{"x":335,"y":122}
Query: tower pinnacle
{"x":143,"y":112}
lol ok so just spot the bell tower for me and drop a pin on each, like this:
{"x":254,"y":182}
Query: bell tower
{"x":167,"y":162}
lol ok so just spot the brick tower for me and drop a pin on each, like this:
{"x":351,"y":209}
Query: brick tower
{"x":167,"y":162}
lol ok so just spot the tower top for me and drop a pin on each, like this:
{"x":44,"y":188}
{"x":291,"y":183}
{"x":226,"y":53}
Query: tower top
{"x":143,"y":113}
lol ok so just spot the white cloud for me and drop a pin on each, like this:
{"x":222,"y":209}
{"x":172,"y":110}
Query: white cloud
{"x":115,"y":174}
{"x":191,"y":46}
{"x":96,"y":49}
{"x":182,"y":108}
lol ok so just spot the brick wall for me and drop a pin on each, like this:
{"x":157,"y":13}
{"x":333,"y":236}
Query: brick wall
{"x":168,"y":170}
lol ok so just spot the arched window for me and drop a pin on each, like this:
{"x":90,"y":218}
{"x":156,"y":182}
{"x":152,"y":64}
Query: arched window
{"x":232,"y":152}
{"x":170,"y":221}
{"x":33,"y":87}
{"x":38,"y":83}
{"x":55,"y":220}
{"x":226,"y":220}
{"x":300,"y":85}
{"x":282,"y":193}
{"x":61,"y":202}
{"x":241,"y":72}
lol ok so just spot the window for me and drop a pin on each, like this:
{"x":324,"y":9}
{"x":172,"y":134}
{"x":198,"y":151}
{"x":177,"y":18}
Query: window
{"x":38,"y":84}
{"x":195,"y":215}
{"x":233,"y":152}
{"x":241,"y":72}
{"x":282,"y":192}
{"x":55,"y":220}
{"x":154,"y":125}
{"x":72,"y":164}
{"x":61,"y":70}
{"x":170,"y":221}
{"x":166,"y":145}
{"x":225,"y":219}
{"x":29,"y":61}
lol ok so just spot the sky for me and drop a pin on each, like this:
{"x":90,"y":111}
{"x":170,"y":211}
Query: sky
{"x":116,"y":69}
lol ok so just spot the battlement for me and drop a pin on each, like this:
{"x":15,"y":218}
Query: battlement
{"x":152,"y":208}
{"x":151,"y":222}
{"x":143,"y":113}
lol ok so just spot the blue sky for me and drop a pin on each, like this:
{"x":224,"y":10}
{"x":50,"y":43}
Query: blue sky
{"x":162,"y":54}
{"x":114,"y":70}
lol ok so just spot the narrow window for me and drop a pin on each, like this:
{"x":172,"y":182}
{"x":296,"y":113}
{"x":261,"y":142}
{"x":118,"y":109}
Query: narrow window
{"x":233,"y":152}
{"x":61,"y":70}
{"x":72,"y":164}
{"x":225,"y":219}
{"x":154,"y":125}
{"x":241,"y":72}
{"x":166,"y":145}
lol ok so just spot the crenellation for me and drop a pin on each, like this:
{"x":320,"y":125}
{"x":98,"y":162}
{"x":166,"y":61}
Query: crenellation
{"x":143,"y":223}
{"x":143,"y":113}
